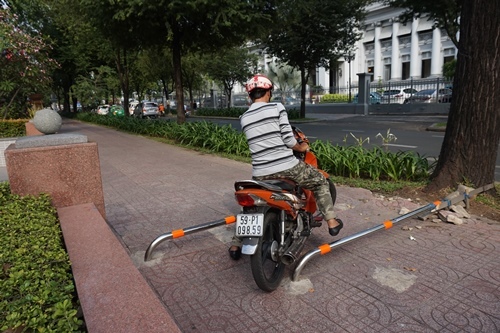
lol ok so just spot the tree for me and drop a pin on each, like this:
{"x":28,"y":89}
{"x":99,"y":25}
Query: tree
{"x":309,"y":33}
{"x":469,"y":150}
{"x":25,"y":64}
{"x":445,"y":13}
{"x":230,"y":67}
{"x":449,"y":69}
{"x":192,"y":69}
{"x":285,"y":79}
{"x":201,"y":25}
{"x":71,"y":36}
{"x":125,"y":30}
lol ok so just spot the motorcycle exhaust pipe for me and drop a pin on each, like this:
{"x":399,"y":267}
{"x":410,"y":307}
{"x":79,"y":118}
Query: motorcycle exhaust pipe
{"x":293,"y":251}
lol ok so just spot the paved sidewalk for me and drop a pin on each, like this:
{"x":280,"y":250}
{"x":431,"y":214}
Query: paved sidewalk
{"x":447,"y":279}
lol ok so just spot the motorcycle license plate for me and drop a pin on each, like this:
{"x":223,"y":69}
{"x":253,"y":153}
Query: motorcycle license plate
{"x":249,"y":224}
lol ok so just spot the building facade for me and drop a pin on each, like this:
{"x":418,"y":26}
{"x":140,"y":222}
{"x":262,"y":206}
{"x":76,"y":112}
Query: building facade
{"x":391,"y":50}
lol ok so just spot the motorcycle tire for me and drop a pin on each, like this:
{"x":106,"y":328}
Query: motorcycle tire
{"x":266,"y":272}
{"x":333,"y":190}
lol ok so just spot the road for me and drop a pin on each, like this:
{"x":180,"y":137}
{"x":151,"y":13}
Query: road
{"x":343,"y":129}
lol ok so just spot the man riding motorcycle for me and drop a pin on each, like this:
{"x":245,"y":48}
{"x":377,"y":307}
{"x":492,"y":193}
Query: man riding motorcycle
{"x":272,"y":142}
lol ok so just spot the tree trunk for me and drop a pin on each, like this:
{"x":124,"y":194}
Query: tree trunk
{"x":123,"y":73}
{"x":228,"y":89}
{"x":176,"y":59}
{"x":470,"y":145}
{"x":303,"y":83}
{"x":66,"y":89}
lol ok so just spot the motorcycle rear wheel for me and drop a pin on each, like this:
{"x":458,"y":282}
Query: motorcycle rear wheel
{"x":267,"y":272}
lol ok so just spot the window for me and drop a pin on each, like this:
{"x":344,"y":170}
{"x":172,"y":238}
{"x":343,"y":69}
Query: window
{"x":405,"y":70}
{"x":387,"y":72}
{"x":426,"y":68}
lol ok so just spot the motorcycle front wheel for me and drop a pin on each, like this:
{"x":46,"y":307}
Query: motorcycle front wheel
{"x":267,"y":268}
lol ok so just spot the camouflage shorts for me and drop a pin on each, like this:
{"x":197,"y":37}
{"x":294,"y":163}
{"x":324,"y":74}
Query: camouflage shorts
{"x":309,"y":178}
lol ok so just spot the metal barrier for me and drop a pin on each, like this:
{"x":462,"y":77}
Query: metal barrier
{"x":182,"y":232}
{"x":457,"y":196}
{"x":326,"y":248}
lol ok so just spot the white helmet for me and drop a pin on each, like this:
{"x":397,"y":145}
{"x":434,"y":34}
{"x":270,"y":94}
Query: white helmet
{"x":258,"y":81}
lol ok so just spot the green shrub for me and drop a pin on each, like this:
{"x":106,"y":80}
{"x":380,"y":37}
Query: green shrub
{"x":13,"y":128}
{"x":237,"y":112}
{"x":345,"y":161}
{"x":220,"y":112}
{"x":335,"y":98}
{"x":36,"y":284}
{"x":375,"y":164}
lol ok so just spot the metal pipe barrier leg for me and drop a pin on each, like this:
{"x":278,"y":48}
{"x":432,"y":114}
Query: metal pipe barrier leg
{"x":183,"y":232}
{"x":326,"y":248}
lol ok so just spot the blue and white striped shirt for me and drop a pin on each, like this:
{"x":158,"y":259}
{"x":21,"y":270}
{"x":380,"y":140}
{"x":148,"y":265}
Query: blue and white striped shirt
{"x":270,"y":138}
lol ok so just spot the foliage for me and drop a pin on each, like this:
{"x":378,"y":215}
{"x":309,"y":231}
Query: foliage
{"x":346,"y":161}
{"x":93,"y":88}
{"x":204,"y":135}
{"x":232,"y":66}
{"x":25,"y":64}
{"x":285,"y":79}
{"x":445,"y":13}
{"x":12,"y":128}
{"x":383,"y":186}
{"x":376,"y":164}
{"x":236,"y":112}
{"x":233,"y":112}
{"x":192,"y":77}
{"x":491,"y":199}
{"x":35,"y":278}
{"x":449,"y":69}
{"x":200,"y":25}
{"x":308,"y":34}
{"x":335,"y":98}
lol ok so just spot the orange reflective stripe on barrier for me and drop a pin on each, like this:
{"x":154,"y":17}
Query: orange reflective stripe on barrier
{"x":325,"y":248}
{"x":388,"y":224}
{"x":230,"y":219}
{"x":177,"y":233}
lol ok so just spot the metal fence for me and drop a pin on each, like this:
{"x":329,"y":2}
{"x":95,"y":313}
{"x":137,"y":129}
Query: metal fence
{"x":399,"y":92}
{"x":390,"y":92}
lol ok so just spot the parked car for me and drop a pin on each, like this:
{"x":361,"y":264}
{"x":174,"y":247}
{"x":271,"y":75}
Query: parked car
{"x":375,"y":98}
{"x":398,"y":95}
{"x":286,"y":100}
{"x":116,"y":110}
{"x":431,"y":96}
{"x":146,"y":110}
{"x":103,"y":109}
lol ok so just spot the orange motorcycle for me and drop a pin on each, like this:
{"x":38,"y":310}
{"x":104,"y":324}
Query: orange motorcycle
{"x":276,"y":218}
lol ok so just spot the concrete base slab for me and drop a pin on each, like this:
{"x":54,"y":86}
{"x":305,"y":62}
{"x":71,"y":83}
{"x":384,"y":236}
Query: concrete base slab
{"x":113,"y":294}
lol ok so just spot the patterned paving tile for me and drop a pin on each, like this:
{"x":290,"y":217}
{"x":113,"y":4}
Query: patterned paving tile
{"x":445,"y":280}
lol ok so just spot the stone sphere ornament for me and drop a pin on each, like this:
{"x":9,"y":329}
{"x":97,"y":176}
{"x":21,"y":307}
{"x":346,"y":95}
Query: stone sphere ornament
{"x":47,"y":121}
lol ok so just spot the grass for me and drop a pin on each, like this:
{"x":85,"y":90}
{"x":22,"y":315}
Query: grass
{"x":489,"y":200}
{"x":377,"y":170}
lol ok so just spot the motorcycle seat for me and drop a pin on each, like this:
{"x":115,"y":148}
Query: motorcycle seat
{"x":276,"y":185}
